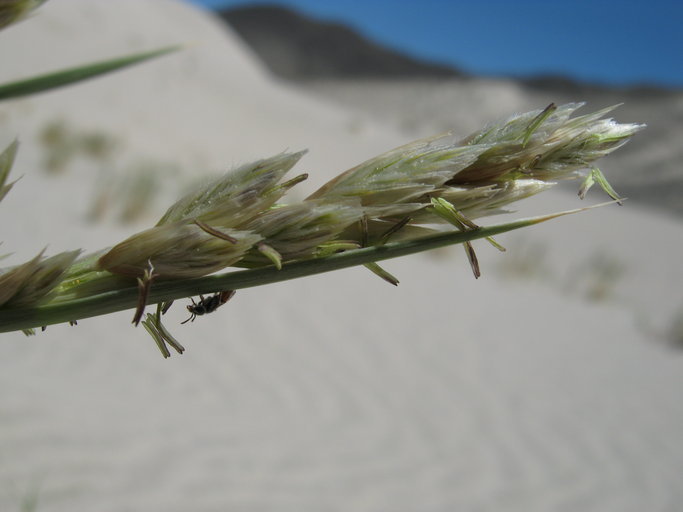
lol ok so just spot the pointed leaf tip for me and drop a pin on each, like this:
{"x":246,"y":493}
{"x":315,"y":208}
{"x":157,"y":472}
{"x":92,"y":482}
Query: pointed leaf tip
{"x":379,"y":271}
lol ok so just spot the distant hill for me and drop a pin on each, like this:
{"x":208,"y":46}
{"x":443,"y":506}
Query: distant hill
{"x":297,"y":47}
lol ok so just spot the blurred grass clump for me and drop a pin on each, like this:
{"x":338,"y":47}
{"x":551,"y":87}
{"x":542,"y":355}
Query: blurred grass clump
{"x":63,"y":144}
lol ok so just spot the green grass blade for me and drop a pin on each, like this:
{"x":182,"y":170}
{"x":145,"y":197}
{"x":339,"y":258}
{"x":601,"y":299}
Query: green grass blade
{"x":72,"y":75}
{"x":6,"y":161}
{"x":121,"y":299}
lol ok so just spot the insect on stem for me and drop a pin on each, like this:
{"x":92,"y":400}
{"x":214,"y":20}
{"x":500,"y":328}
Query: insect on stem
{"x":208,"y":304}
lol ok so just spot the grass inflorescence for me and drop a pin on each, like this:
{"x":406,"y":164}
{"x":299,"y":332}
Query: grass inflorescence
{"x":408,"y":196}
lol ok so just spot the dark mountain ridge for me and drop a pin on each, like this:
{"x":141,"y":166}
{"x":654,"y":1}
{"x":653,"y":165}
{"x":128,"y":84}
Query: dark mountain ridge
{"x":297,"y":47}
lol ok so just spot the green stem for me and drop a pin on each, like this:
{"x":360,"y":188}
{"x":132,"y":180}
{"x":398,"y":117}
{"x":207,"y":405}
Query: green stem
{"x":120,"y":299}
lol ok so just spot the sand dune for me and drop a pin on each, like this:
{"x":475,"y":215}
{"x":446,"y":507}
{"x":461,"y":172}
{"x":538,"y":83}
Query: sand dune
{"x":336,"y":392}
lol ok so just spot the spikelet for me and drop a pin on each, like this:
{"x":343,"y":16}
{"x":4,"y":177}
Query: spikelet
{"x":296,"y":231}
{"x":237,"y":196}
{"x":176,"y":251}
{"x":12,"y":11}
{"x":30,"y":282}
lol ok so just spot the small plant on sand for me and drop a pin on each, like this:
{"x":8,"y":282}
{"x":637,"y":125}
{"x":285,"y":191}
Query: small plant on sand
{"x":674,"y":336}
{"x":420,"y":196}
{"x":63,"y":144}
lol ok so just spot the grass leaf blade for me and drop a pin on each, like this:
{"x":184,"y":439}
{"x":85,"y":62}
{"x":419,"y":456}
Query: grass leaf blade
{"x":64,"y":77}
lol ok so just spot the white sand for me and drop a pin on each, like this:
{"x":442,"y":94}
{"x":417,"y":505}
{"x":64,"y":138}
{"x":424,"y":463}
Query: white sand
{"x":337,"y":392}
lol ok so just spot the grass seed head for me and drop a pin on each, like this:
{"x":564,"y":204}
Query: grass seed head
{"x":296,"y":230}
{"x":402,"y":174}
{"x":238,"y":195}
{"x":29,"y":283}
{"x":12,"y":11}
{"x":481,"y":174}
{"x":176,"y":251}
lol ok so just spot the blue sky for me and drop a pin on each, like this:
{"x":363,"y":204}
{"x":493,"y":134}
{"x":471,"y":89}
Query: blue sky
{"x":623,"y":42}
